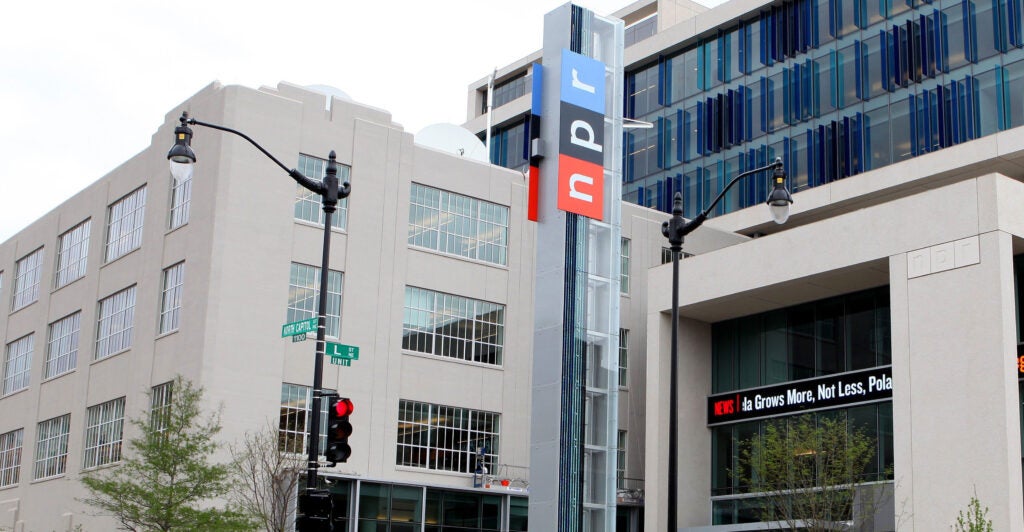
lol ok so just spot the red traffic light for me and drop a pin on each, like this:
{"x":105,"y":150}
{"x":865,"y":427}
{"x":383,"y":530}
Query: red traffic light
{"x":343,"y":407}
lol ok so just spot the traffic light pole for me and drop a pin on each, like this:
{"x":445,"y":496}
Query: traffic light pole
{"x":330,"y":191}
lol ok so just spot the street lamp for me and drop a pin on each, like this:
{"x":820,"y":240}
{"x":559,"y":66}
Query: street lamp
{"x":676,"y":229}
{"x":182,"y":159}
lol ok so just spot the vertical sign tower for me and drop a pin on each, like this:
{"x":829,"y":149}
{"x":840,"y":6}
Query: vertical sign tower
{"x":577,"y":201}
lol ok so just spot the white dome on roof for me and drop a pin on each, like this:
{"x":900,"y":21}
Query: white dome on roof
{"x":452,"y":139}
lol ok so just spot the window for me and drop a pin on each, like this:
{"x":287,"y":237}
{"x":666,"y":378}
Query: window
{"x":181,"y":203}
{"x":103,"y":431}
{"x":623,"y":358}
{"x":72,"y":252}
{"x":624,"y":267}
{"x":509,"y":90}
{"x":114,"y":328}
{"x":453,"y":326}
{"x":446,"y":438}
{"x":458,"y":225}
{"x":304,"y":296}
{"x":62,"y":347}
{"x":160,"y":405}
{"x":308,"y":206}
{"x":620,"y":461}
{"x":10,"y":457}
{"x":52,"y":447}
{"x":28,"y":272}
{"x":124,"y":224}
{"x":17,"y":364}
{"x":295,"y":407}
{"x":170,"y":300}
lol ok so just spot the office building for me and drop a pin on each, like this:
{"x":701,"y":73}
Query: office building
{"x":899,"y":125}
{"x":139,"y":278}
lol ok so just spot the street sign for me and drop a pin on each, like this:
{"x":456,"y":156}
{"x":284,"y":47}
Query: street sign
{"x":299,"y":338}
{"x":299,"y":327}
{"x":349,"y":352}
{"x":341,"y":361}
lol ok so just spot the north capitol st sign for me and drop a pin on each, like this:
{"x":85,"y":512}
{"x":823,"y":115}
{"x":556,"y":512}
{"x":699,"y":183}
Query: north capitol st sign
{"x":811,"y":394}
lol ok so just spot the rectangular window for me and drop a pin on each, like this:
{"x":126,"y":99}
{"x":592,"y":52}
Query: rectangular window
{"x":52,"y":447}
{"x":10,"y":457}
{"x":458,"y":225}
{"x":624,"y":267}
{"x":124,"y":224}
{"x":620,"y":461}
{"x":181,"y":203}
{"x":304,"y":296}
{"x":446,"y":438}
{"x":453,"y":326}
{"x":623,"y":358}
{"x":308,"y":206}
{"x":114,"y":327}
{"x":296,"y":403}
{"x":170,"y":299}
{"x":104,"y":427}
{"x":18,"y":364}
{"x":27,"y":274}
{"x":160,"y":405}
{"x":62,"y":347}
{"x":72,"y":252}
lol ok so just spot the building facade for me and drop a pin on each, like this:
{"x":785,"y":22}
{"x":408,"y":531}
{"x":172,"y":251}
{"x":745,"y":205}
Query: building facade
{"x":898,"y":127}
{"x":137,"y":279}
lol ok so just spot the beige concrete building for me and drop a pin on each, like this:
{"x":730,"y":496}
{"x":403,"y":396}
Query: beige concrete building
{"x":137,"y":279}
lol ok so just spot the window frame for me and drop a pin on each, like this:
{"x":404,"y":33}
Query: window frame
{"x":65,"y":360}
{"x":169,"y":319}
{"x":104,"y":420}
{"x":11,"y":444}
{"x":45,"y":457}
{"x":292,"y":430}
{"x":465,"y":219}
{"x":119,"y":316}
{"x":72,"y":254}
{"x":28,"y":269}
{"x":19,"y":376}
{"x":160,"y":399}
{"x":124,"y":229}
{"x":301,"y":293}
{"x":180,"y":208}
{"x":307,"y":202}
{"x":442,"y":316}
{"x":625,"y":253}
{"x":623,"y":359}
{"x":432,"y":452}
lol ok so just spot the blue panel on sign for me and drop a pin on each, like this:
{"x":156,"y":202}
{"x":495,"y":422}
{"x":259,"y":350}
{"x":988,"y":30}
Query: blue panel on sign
{"x":582,"y":82}
{"x":538,"y":91}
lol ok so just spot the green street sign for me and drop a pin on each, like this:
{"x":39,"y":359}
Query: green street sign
{"x":342,"y":351}
{"x":341,"y":362}
{"x":299,"y":327}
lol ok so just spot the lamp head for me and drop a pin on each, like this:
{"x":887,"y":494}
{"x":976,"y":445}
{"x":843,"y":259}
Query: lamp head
{"x":181,"y":157}
{"x":780,"y":199}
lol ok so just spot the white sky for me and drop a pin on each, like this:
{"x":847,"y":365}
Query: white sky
{"x":84,"y":85}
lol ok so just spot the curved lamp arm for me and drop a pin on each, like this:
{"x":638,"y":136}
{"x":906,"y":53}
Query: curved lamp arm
{"x":181,"y":153}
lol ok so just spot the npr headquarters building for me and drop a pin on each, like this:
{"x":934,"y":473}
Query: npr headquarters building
{"x":900,"y":126}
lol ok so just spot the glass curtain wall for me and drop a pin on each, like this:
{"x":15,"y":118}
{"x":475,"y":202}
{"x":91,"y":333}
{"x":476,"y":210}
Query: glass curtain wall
{"x":834,"y":87}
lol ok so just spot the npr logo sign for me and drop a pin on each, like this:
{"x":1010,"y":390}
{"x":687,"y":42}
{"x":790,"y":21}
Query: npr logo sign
{"x":581,"y":136}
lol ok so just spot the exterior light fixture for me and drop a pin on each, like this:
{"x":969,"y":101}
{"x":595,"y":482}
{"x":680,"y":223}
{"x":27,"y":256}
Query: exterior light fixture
{"x":780,"y":199}
{"x":181,"y":157}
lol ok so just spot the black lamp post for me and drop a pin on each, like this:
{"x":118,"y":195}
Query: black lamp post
{"x":182,"y":158}
{"x":676,"y":229}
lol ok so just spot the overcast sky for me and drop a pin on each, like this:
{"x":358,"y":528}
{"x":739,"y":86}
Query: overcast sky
{"x":84,"y":85}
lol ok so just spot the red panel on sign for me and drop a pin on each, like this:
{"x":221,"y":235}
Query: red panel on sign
{"x":580,"y":187}
{"x":533,"y":202}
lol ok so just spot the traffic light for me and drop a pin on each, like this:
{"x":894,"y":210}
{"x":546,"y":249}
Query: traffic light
{"x":315,"y":508}
{"x":338,"y":430}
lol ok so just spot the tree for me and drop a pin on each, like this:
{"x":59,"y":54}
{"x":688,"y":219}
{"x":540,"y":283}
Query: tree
{"x":166,"y":477}
{"x":975,"y":520}
{"x":266,"y":478}
{"x":807,"y":471}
